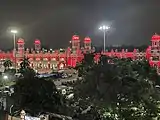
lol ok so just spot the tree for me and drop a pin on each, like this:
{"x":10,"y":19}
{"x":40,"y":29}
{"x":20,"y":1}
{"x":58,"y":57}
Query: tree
{"x":7,"y":63}
{"x":25,"y":63}
{"x":25,"y":68}
{"x":120,"y":89}
{"x":86,"y":64}
{"x":36,"y":95}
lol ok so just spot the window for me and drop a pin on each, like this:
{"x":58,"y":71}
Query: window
{"x":37,"y":59}
{"x":45,"y":59}
{"x":37,"y":46}
{"x":155,"y":58}
{"x":75,"y":44}
{"x":62,"y":59}
{"x":53,"y":59}
{"x":87,"y":44}
{"x":20,"y":46}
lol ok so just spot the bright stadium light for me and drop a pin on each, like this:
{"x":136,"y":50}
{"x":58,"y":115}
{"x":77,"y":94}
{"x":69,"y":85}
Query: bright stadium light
{"x":104,"y":29}
{"x":14,"y":31}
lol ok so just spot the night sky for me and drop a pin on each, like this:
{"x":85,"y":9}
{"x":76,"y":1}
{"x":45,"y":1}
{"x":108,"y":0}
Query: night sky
{"x":55,"y":21}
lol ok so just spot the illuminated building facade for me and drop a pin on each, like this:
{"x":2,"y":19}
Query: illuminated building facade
{"x":47,"y":60}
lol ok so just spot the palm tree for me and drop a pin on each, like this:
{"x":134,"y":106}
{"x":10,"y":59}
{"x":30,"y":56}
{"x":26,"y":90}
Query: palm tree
{"x":25,"y":69}
{"x":25,"y":63}
{"x":7,"y":63}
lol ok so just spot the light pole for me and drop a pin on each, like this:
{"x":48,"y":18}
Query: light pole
{"x":104,"y":29}
{"x":10,"y":110}
{"x":14,"y":32}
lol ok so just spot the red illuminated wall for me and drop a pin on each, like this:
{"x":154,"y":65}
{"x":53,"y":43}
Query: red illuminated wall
{"x":75,"y":54}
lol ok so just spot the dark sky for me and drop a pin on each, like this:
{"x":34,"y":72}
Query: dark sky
{"x":55,"y":21}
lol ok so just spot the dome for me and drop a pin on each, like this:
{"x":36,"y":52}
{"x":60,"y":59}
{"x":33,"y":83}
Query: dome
{"x":155,"y":37}
{"x":87,"y":39}
{"x":20,"y":41}
{"x":75,"y":37}
{"x":37,"y":41}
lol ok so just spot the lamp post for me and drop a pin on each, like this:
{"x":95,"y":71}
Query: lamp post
{"x":10,"y":110}
{"x":104,"y":29}
{"x":14,"y":32}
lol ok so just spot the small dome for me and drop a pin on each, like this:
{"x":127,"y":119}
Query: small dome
{"x":75,"y":37}
{"x":37,"y":41}
{"x":87,"y":39}
{"x":155,"y":37}
{"x":20,"y":41}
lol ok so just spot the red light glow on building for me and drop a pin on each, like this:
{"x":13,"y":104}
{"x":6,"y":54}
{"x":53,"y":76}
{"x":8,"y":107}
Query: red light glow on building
{"x":48,"y":60}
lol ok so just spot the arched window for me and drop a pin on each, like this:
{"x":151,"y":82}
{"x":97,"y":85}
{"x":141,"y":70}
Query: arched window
{"x":61,"y":66}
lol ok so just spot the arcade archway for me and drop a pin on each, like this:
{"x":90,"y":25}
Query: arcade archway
{"x":61,"y":65}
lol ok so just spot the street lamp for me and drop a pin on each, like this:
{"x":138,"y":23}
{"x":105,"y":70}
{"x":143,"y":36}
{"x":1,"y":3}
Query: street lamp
{"x":5,"y":77}
{"x":14,"y":32}
{"x":64,"y":92}
{"x":104,"y":29}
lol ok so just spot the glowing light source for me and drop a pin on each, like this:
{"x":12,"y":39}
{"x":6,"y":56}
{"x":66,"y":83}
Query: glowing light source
{"x":104,"y":27}
{"x":14,"y":31}
{"x":64,"y":92}
{"x":5,"y":77}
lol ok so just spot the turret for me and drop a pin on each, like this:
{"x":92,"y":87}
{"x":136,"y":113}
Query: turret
{"x":20,"y":44}
{"x":155,"y":40}
{"x":155,"y":48}
{"x":75,"y":43}
{"x":37,"y":45}
{"x":87,"y":44}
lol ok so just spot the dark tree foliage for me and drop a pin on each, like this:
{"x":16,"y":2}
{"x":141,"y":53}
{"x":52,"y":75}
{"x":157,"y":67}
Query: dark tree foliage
{"x":119,"y":88}
{"x":7,"y":63}
{"x":112,"y":89}
{"x":25,"y":63}
{"x":36,"y":95}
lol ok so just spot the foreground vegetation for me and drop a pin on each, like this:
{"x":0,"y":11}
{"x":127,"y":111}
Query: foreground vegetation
{"x":122,"y":89}
{"x":112,"y":89}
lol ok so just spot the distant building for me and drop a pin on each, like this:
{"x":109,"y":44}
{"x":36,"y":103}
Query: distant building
{"x":45,"y":60}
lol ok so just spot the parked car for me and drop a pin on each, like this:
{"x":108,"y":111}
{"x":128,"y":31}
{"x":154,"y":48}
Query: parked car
{"x":64,"y":76}
{"x":69,"y":75}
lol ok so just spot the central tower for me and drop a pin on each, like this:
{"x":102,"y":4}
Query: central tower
{"x":20,"y":44}
{"x":75,"y":43}
{"x":37,"y":45}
